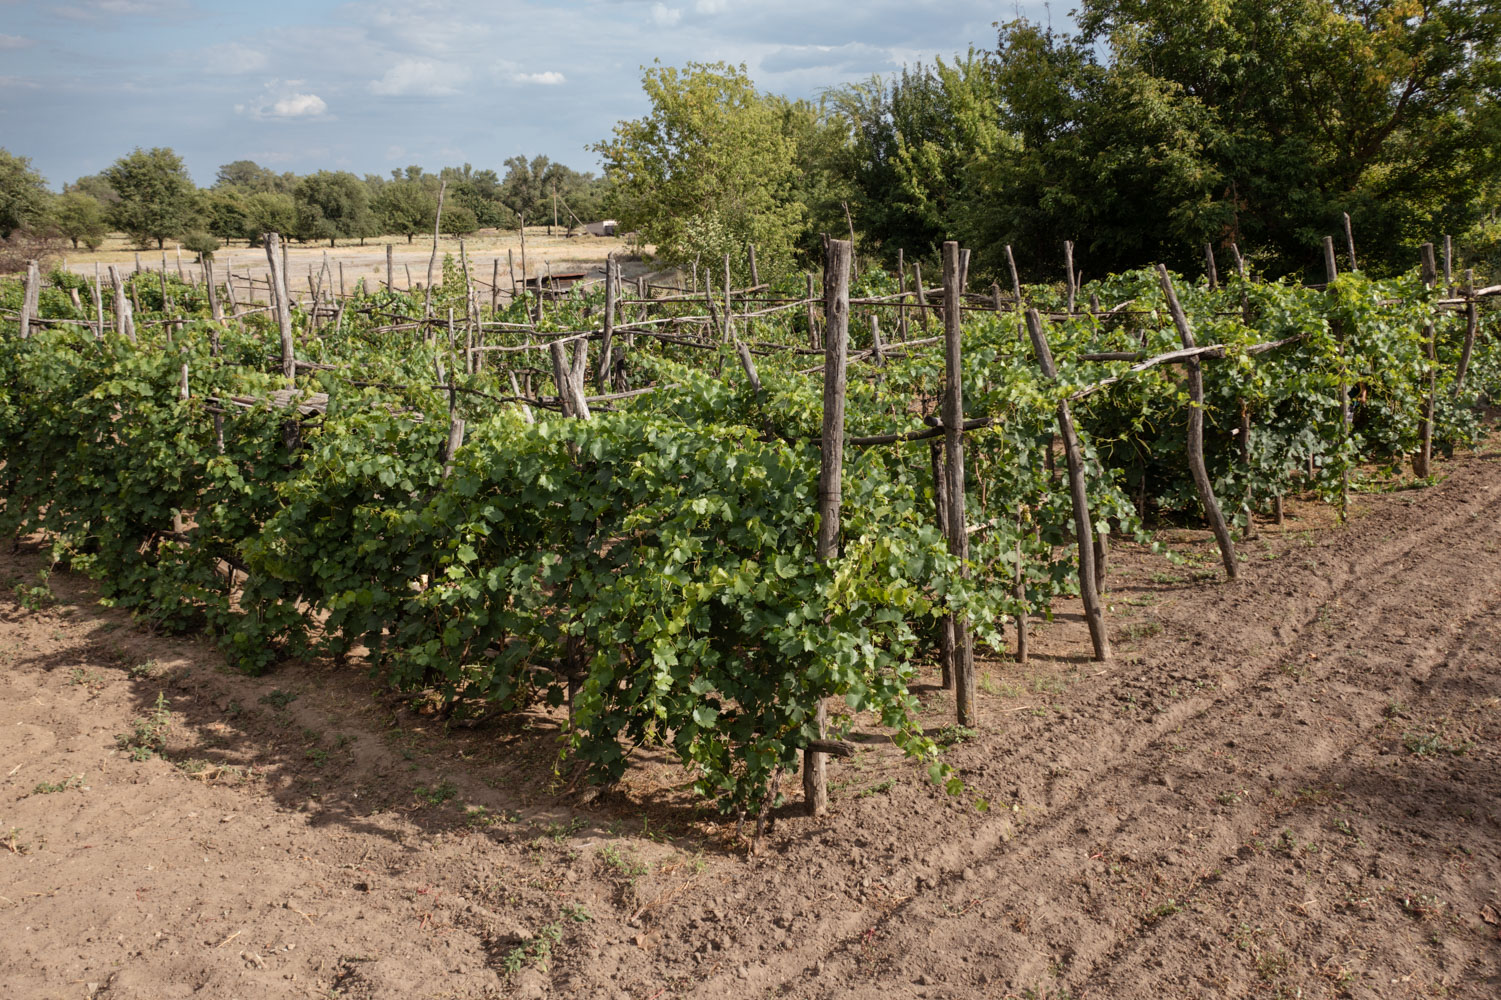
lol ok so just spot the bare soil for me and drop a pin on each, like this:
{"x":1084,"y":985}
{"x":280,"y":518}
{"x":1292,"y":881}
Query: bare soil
{"x":1282,"y":787}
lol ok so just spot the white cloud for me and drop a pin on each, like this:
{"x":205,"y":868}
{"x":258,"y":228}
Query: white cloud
{"x":711,"y":6}
{"x":298,"y":106}
{"x":664,"y":16}
{"x":282,"y":99}
{"x":418,"y":78}
{"x":90,"y":10}
{"x":551,"y":78}
{"x":14,"y":42}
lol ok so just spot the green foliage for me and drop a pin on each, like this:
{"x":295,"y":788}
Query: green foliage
{"x":333,"y":204}
{"x":658,"y":561}
{"x":23,"y":194}
{"x":199,"y":242}
{"x":405,"y":206}
{"x":709,"y":170}
{"x":79,"y":217}
{"x":157,"y":198}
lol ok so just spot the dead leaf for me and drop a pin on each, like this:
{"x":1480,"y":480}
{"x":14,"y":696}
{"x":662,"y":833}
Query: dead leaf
{"x":1489,"y":915}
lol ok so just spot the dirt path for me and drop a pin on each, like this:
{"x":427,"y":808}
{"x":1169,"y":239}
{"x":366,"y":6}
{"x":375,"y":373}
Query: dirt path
{"x":1284,"y":787}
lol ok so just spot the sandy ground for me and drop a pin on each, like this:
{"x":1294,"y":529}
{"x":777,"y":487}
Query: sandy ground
{"x":1282,"y":787}
{"x":485,"y":251}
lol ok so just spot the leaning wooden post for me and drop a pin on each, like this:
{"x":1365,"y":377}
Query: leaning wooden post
{"x":283,"y":307}
{"x":1094,"y":615}
{"x":1016,"y":292}
{"x":1209,"y":267}
{"x":901,"y":287}
{"x":214,"y":308}
{"x":1448,"y":266}
{"x":750,"y":256}
{"x":1196,"y":465}
{"x":389,"y":268}
{"x":953,"y":466}
{"x":1350,"y":242}
{"x":836,"y":296}
{"x":494,"y":286}
{"x":922,"y":296}
{"x":124,"y":320}
{"x":1422,"y":462}
{"x":1472,"y":327}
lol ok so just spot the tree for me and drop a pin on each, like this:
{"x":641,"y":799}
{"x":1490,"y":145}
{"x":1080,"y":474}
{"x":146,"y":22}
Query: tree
{"x":458,"y":220}
{"x":96,"y":187}
{"x":249,"y":176}
{"x":226,"y":213}
{"x":405,"y":205}
{"x":479,"y":192}
{"x":156,"y":195}
{"x":269,"y":212}
{"x":331,"y":204}
{"x":23,"y":194}
{"x":709,"y":170}
{"x":79,"y":217}
{"x":529,"y":187}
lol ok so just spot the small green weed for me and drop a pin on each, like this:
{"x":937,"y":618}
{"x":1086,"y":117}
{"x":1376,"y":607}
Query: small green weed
{"x":533,"y":952}
{"x":279,"y":698}
{"x":144,"y":670}
{"x":148,"y":736}
{"x":437,"y":794}
{"x":48,"y":787}
{"x":38,"y":595}
{"x":879,"y":788}
{"x":953,"y":734}
{"x":1432,"y":743}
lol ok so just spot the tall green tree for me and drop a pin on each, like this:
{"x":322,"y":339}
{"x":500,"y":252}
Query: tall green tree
{"x":23,"y":194}
{"x":251,"y":177}
{"x":333,"y":204}
{"x":79,"y":217}
{"x":405,"y":204}
{"x":710,"y":169}
{"x":157,"y":197}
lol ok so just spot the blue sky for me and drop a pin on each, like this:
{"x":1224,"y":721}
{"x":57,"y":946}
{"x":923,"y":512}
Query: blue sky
{"x":373,"y":85}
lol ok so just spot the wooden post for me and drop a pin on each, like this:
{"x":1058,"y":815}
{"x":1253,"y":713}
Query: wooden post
{"x":1094,"y":615}
{"x":901,"y":286}
{"x":1209,"y":267}
{"x":836,"y":291}
{"x":1422,"y":462}
{"x":283,"y":307}
{"x":98,"y":304}
{"x":1019,"y":591}
{"x":1068,"y":271}
{"x":124,"y":321}
{"x":876,"y":347}
{"x":455,"y":442}
{"x":1196,"y":429}
{"x":214,"y":308}
{"x":605,"y":345}
{"x":750,"y":256}
{"x":494,"y":286}
{"x":390,"y":287}
{"x":953,"y":467}
{"x":1472,"y":327}
{"x":813,"y":341}
{"x":341,"y":278}
{"x":1448,"y":266}
{"x":1350,"y":242}
{"x":229,"y":288}
{"x":30,"y":296}
{"x":1346,"y":417}
{"x":922,"y":297}
{"x":941,"y":516}
{"x":1016,"y":290}
{"x":432,"y":260}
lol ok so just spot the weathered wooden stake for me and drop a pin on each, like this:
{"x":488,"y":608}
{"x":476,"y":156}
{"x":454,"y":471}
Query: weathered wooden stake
{"x":1350,"y":242}
{"x":1068,"y":272}
{"x":605,"y":346}
{"x":1209,"y":267}
{"x":953,"y":467}
{"x":30,"y":296}
{"x":283,"y":307}
{"x":389,"y":268}
{"x":1472,"y":327}
{"x":1422,"y":462}
{"x":214,"y":308}
{"x":1094,"y":615}
{"x":1195,"y":372}
{"x":836,"y":290}
{"x":941,"y":516}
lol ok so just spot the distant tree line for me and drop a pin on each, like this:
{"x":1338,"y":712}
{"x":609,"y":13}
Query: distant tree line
{"x":1157,"y":127}
{"x":149,"y":196}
